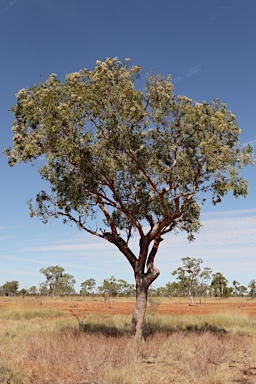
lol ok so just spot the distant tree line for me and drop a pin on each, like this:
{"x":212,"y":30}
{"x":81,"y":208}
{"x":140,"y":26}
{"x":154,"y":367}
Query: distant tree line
{"x":192,"y":281}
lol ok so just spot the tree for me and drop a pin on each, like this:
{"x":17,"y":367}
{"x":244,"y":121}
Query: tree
{"x":10,"y":288}
{"x":219,"y":285}
{"x":236,"y":286}
{"x":33,"y":290}
{"x":109,"y":287}
{"x":191,"y":277}
{"x":66,"y":285}
{"x":88,"y":286}
{"x":252,"y":287}
{"x":57,"y":282}
{"x":124,"y":288}
{"x":173,"y":289}
{"x":43,"y":289}
{"x":142,"y":159}
{"x":23,"y":292}
{"x":53,"y":276}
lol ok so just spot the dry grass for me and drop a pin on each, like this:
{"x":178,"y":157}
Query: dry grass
{"x":39,"y":348}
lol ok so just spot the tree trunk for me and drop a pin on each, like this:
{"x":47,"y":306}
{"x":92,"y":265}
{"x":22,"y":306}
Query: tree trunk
{"x":140,"y":308}
{"x":143,"y":282}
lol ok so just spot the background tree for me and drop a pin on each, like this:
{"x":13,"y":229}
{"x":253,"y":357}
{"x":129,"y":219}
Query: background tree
{"x":43,"y":289}
{"x":240,"y":290}
{"x":219,"y":285}
{"x":10,"y":288}
{"x":143,"y":159}
{"x":88,"y":286}
{"x":66,"y":285}
{"x":125,"y":288}
{"x":57,"y":282}
{"x":33,"y":290}
{"x":109,"y":287}
{"x":191,"y":277}
{"x":243,"y":291}
{"x":252,"y":288}
{"x":236,"y":286}
{"x":53,"y":276}
{"x":173,"y":289}
{"x":23,"y":292}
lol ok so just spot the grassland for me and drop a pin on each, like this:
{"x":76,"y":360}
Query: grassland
{"x":54,"y":342}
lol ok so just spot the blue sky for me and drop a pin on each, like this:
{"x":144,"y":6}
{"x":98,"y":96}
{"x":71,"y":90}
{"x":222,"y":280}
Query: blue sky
{"x":209,"y":48}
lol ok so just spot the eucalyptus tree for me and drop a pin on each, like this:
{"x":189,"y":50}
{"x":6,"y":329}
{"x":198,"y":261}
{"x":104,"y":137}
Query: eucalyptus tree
{"x":192,"y":278}
{"x":141,"y":159}
{"x":252,"y":288}
{"x":10,"y":288}
{"x":53,"y":277}
{"x":219,"y":285}
{"x":88,"y":286}
{"x":57,"y":282}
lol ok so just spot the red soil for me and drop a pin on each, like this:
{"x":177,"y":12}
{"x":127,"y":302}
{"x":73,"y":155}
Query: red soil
{"x":166,"y":308}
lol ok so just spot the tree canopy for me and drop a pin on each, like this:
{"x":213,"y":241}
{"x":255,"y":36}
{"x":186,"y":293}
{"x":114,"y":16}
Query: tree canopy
{"x":142,"y":160}
{"x":57,"y":282}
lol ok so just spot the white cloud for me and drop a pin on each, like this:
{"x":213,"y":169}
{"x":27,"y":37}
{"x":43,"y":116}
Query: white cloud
{"x":8,"y":4}
{"x":226,"y":243}
{"x":190,"y":72}
{"x":251,"y":142}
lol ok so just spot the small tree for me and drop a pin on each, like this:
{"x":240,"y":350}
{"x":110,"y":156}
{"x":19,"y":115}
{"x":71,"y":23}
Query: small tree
{"x":252,"y":288}
{"x":10,"y":288}
{"x":43,"y":289}
{"x":219,"y":285}
{"x":23,"y":292}
{"x":191,"y":277}
{"x":87,"y":287}
{"x":125,"y":289}
{"x":66,"y":285}
{"x":236,"y":286}
{"x":57,"y":282}
{"x":109,"y":287}
{"x":142,"y":159}
{"x":53,"y":276}
{"x":33,"y":290}
{"x":173,"y":289}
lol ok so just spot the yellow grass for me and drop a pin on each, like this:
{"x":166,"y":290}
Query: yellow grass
{"x":43,"y":346}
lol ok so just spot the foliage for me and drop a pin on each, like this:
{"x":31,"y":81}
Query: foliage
{"x":135,"y":156}
{"x":23,"y":292}
{"x":252,"y":288}
{"x":219,"y":285}
{"x":191,"y":278}
{"x":10,"y":288}
{"x":114,"y":287}
{"x":145,"y":161}
{"x":57,"y":282}
{"x":88,"y":286}
{"x":239,"y":290}
{"x":33,"y":290}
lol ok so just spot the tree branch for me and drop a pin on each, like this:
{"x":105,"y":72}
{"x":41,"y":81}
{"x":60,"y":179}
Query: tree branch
{"x":124,"y":209}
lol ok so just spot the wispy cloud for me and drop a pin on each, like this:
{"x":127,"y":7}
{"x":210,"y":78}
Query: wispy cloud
{"x":189,"y":73}
{"x":8,"y":4}
{"x":223,"y":7}
{"x":73,"y":247}
{"x":251,"y":142}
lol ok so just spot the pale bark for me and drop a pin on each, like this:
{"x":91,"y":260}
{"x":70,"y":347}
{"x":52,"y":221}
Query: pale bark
{"x":143,"y":281}
{"x":139,"y":310}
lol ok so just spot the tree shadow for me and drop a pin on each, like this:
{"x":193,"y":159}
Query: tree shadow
{"x":103,"y":329}
{"x":150,"y":329}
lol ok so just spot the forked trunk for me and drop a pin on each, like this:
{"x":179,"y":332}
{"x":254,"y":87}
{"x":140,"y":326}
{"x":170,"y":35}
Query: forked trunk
{"x":143,"y":279}
{"x":143,"y":282}
{"x":140,"y":309}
